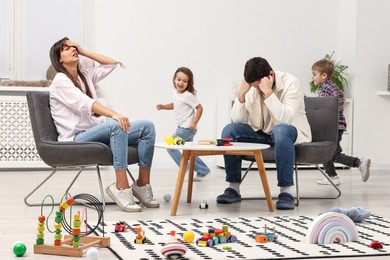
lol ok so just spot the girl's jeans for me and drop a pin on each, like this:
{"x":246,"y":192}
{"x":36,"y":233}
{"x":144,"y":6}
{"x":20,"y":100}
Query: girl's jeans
{"x":187,"y":135}
{"x":141,"y":132}
{"x":282,"y":138}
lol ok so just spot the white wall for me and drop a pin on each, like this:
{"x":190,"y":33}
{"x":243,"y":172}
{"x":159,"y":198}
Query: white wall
{"x":371,"y":121}
{"x":214,"y":39}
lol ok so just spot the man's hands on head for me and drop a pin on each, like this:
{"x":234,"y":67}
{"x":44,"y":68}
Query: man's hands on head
{"x":264,"y":86}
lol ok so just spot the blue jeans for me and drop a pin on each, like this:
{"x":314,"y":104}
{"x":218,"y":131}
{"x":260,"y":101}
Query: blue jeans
{"x":141,"y":132}
{"x":282,"y":138}
{"x":187,"y":134}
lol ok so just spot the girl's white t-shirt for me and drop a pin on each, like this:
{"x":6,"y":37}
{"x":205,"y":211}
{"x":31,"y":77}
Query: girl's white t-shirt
{"x":184,"y":107}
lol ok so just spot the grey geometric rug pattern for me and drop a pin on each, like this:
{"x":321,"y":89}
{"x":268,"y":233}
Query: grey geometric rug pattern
{"x":291,"y":242}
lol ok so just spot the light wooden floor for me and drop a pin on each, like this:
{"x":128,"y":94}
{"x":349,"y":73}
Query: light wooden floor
{"x":19,"y":222}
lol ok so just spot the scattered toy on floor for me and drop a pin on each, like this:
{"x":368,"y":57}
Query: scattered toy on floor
{"x":216,"y":236}
{"x":92,"y":254}
{"x":356,"y":213}
{"x":188,"y":236}
{"x":140,"y":237}
{"x":167,"y":197}
{"x":173,"y":249}
{"x":19,"y":249}
{"x":376,"y":245}
{"x":203,"y":204}
{"x":120,"y":226}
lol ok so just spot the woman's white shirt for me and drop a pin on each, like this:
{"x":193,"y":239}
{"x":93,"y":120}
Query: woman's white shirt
{"x":70,"y":107}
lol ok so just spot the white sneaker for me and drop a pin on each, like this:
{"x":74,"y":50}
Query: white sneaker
{"x":145,"y":195}
{"x":364,"y":169}
{"x":123,"y":198}
{"x":324,"y":181}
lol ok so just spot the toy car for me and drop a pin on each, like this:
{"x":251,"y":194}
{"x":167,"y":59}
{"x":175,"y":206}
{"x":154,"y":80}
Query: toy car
{"x":216,"y":236}
{"x":120,"y":226}
{"x":204,"y":205}
{"x":140,"y":237}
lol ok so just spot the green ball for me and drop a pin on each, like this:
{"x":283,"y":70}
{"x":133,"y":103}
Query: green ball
{"x":19,"y":249}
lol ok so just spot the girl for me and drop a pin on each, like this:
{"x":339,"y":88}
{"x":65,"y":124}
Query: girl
{"x":79,"y":117}
{"x":188,"y":111}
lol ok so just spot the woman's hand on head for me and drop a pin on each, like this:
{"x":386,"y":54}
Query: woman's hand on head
{"x":123,"y":121}
{"x":76,"y":45}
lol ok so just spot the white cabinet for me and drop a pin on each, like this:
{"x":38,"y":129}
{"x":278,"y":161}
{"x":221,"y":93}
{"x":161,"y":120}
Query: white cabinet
{"x":224,"y":104}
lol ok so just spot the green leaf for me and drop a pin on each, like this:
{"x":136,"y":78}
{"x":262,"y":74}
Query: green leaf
{"x":339,"y":76}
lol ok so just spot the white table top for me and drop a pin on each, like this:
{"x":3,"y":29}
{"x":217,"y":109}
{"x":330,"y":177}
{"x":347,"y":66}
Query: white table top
{"x":237,"y":146}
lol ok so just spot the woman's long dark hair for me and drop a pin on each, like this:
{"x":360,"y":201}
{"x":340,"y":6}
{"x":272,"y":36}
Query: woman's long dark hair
{"x":55,"y":56}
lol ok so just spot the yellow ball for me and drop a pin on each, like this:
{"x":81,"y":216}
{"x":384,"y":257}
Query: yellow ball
{"x":188,"y":236}
{"x":169,"y":139}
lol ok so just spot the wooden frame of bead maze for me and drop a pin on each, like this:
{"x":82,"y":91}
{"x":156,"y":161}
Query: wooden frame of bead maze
{"x":65,"y":247}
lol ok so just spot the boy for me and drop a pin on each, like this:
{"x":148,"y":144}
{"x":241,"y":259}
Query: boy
{"x":322,"y":71}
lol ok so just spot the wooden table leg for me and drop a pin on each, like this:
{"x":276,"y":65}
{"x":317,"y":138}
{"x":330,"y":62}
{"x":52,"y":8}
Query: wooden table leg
{"x":190,"y":179}
{"x":179,"y":181}
{"x":263,"y":176}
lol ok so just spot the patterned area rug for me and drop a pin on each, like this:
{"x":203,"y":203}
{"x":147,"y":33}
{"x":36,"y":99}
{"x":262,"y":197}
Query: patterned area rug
{"x":291,"y":242}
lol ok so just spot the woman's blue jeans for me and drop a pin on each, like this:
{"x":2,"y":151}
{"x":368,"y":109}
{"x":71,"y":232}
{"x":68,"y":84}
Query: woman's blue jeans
{"x":141,"y":132}
{"x":282,"y":138}
{"x":187,"y":135}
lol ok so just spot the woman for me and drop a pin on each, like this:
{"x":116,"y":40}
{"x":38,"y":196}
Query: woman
{"x":80,"y":118}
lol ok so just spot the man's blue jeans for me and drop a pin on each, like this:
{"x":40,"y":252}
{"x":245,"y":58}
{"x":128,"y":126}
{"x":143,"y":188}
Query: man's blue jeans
{"x":141,"y":132}
{"x":282,"y":138}
{"x":187,"y":135}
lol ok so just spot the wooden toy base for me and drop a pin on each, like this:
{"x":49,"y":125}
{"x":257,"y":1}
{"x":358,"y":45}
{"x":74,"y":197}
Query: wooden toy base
{"x":66,"y":249}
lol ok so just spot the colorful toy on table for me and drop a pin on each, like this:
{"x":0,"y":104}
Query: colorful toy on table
{"x":356,"y":213}
{"x":176,"y":141}
{"x":217,"y":142}
{"x":216,"y":236}
{"x":173,"y":249}
{"x":264,"y":237}
{"x":140,"y":237}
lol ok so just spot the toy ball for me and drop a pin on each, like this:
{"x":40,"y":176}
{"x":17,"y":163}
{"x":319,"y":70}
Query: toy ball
{"x":188,"y":236}
{"x":167,"y":197}
{"x":169,"y":140}
{"x":92,"y":254}
{"x":19,"y":249}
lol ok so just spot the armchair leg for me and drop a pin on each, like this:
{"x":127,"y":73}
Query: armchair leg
{"x":296,"y":185}
{"x":81,"y":168}
{"x":37,"y":187}
{"x":247,"y":170}
{"x":131,"y":176}
{"x":330,"y":181}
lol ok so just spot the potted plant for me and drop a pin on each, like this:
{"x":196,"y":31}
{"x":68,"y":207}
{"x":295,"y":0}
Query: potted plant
{"x":338,"y":77}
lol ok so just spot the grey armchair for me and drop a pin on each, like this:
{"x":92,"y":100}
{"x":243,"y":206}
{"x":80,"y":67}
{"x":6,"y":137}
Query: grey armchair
{"x":322,"y":114}
{"x":66,"y":154}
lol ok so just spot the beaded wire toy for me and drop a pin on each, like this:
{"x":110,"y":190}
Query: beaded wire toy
{"x":78,"y":241}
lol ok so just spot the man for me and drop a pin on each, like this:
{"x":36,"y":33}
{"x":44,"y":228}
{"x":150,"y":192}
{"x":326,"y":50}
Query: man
{"x":270,"y":109}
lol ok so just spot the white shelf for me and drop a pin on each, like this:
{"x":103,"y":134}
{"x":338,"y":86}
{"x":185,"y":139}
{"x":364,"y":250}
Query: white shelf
{"x":22,"y":89}
{"x":383,"y":93}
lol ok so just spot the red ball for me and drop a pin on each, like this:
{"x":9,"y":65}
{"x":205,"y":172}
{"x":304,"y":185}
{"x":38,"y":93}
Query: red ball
{"x":41,"y":219}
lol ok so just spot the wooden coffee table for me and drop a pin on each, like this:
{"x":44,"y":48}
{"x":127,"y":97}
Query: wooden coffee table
{"x":191,"y":150}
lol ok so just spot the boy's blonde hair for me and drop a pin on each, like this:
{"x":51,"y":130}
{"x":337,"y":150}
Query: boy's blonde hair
{"x":324,"y":66}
